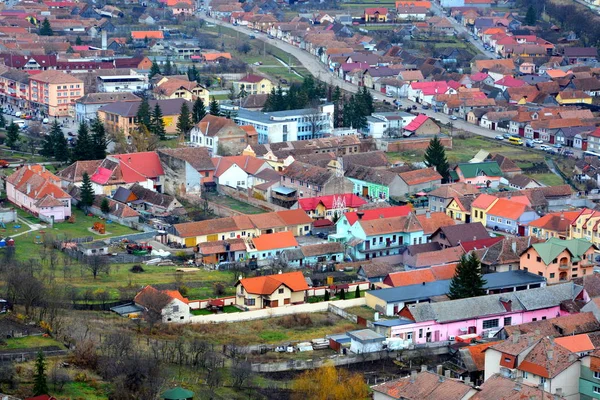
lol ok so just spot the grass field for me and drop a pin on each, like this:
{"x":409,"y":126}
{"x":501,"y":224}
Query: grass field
{"x":234,"y":204}
{"x":548,"y":179}
{"x":29,"y":342}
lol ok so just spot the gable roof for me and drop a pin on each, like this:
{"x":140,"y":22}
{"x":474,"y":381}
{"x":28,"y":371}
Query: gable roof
{"x":474,"y":357}
{"x":376,"y":269}
{"x":197,"y":157}
{"x":498,"y":387}
{"x":408,"y":223}
{"x":272,"y":241}
{"x":571,"y":324}
{"x":549,"y":250}
{"x":455,"y":234}
{"x":426,"y":385}
{"x":471,"y":170}
{"x":450,"y":190}
{"x":420,"y":176}
{"x":266,"y":285}
{"x":350,"y":200}
{"x":539,"y":361}
{"x":440,"y":257}
{"x":508,"y":209}
{"x":418,"y":276}
{"x":557,"y":222}
{"x":377,"y":213}
{"x":431,"y":221}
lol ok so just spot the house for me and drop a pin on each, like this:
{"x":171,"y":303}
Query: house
{"x":589,"y":376}
{"x":453,"y":235}
{"x":86,"y":107}
{"x":38,"y":191}
{"x":376,"y":14}
{"x":420,"y":180}
{"x":253,"y":84}
{"x":510,"y":216}
{"x":573,"y":97}
{"x":390,"y":301}
{"x":307,"y":180}
{"x":122,"y":83}
{"x":145,"y":36}
{"x":314,"y":254}
{"x":187,"y":170}
{"x":499,"y":254}
{"x":432,"y":221}
{"x":377,"y":184}
{"x":585,"y":226}
{"x":117,"y":212}
{"x":521,"y":182}
{"x":149,"y":200}
{"x":441,"y":197}
{"x":422,"y":125}
{"x":375,"y":271}
{"x":418,"y":276}
{"x":499,"y":386}
{"x":146,"y":19}
{"x":565,"y":325}
{"x":428,"y":259}
{"x":219,"y":134}
{"x":238,"y":172}
{"x":169,"y":303}
{"x":507,"y":166}
{"x":459,"y":208}
{"x":271,"y":291}
{"x":230,"y":250}
{"x":444,"y":321}
{"x":55,"y":92}
{"x":330,"y":207}
{"x":559,"y":260}
{"x":345,"y":223}
{"x":240,"y":226}
{"x":483,"y":174}
{"x":579,"y":55}
{"x":423,"y":385}
{"x":551,"y":225}
{"x":121,"y":116}
{"x":269,"y":246}
{"x":181,"y":89}
{"x":365,"y":341}
{"x":539,"y":361}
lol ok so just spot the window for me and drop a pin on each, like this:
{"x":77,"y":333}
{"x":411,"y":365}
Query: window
{"x":542,"y":380}
{"x":420,"y":333}
{"x":175,"y":309}
{"x":231,"y":234}
{"x":280,"y":291}
{"x":552,"y":275}
{"x":507,"y":321}
{"x":249,"y":302}
{"x":540,"y":273}
{"x":533,"y":319}
{"x":538,"y":259}
{"x":596,"y":388}
{"x":525,"y":374}
{"x":528,"y":256}
{"x":490,"y":323}
{"x":554,"y":261}
{"x":596,"y":374}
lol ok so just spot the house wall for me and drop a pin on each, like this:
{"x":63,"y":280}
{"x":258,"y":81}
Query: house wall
{"x":58,"y":98}
{"x":456,"y":213}
{"x":552,"y":272}
{"x":445,"y":330}
{"x":176,"y":311}
{"x":28,"y":203}
{"x":567,"y":380}
{"x":286,"y":297}
{"x":374,"y":190}
{"x":510,"y":225}
{"x":383,"y":244}
{"x":235,"y":177}
{"x":361,"y":348}
{"x":587,"y":380}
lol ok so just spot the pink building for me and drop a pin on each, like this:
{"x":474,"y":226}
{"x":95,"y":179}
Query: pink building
{"x":482,"y":316}
{"x":38,"y":191}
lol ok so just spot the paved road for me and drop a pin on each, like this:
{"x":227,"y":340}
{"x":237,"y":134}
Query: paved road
{"x":438,"y":10}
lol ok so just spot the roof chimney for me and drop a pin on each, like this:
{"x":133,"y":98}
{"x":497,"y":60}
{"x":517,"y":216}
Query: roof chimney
{"x":550,"y":354}
{"x":28,"y":188}
{"x":447,"y":373}
{"x":423,"y":368}
{"x":558,"y":392}
{"x":428,"y":214}
{"x":516,"y":336}
{"x":440,"y":369}
{"x":280,"y":272}
{"x":468,"y":380}
{"x":572,"y":357}
{"x":360,"y":214}
{"x":413,"y":376}
{"x":514,"y":246}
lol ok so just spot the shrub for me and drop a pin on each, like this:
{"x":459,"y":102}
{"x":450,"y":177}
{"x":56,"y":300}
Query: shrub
{"x":183,"y":290}
{"x":80,"y":377}
{"x":295,"y":320}
{"x":219,"y":289}
{"x":136,"y":269}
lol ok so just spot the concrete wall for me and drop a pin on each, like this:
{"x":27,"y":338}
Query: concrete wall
{"x":243,"y":196}
{"x":412,"y":144}
{"x":201,"y":304}
{"x":276,"y":312}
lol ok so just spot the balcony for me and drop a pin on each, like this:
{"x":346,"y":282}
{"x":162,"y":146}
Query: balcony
{"x":564,"y":266}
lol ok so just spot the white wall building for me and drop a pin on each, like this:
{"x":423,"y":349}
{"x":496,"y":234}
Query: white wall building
{"x":122,"y":83}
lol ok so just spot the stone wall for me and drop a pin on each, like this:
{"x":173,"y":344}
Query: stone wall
{"x":412,"y":144}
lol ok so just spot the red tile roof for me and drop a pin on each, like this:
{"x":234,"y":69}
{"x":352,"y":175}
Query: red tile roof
{"x":480,"y":244}
{"x":416,"y":123}
{"x":272,"y":241}
{"x":133,"y":165}
{"x":251,"y":78}
{"x":434,"y":220}
{"x":576,"y":343}
{"x":266,"y":285}
{"x":420,"y":176}
{"x":376,"y":213}
{"x":418,"y":276}
{"x":350,"y":199}
{"x":141,"y":35}
{"x":478,"y":355}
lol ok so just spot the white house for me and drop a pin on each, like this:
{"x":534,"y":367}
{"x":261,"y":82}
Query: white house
{"x":238,"y":171}
{"x":172,"y":306}
{"x":122,"y":83}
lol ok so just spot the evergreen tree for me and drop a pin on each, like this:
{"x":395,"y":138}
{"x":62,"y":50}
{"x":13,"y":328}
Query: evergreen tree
{"x":342,"y":294}
{"x":198,"y":111}
{"x":268,"y":106}
{"x":365,"y":99}
{"x":468,"y":280}
{"x":78,"y":41}
{"x":40,"y":385}
{"x":357,"y":292}
{"x":143,"y":113}
{"x":214,"y":108}
{"x":2,"y":119}
{"x":48,"y":145}
{"x":168,"y":67}
{"x":242,"y":94}
{"x":157,"y":124}
{"x":435,"y":156}
{"x":184,"y":123}
{"x":62,"y":152}
{"x":87,"y":193}
{"x":83,"y":148}
{"x":46,"y":29}
{"x":530,"y":17}
{"x":12,"y":135}
{"x":105,"y":206}
{"x":154,"y":69}
{"x":98,"y":139}
{"x":353,"y":114}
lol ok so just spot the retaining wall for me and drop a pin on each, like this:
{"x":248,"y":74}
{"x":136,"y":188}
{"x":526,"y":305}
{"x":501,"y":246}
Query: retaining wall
{"x":276,"y":312}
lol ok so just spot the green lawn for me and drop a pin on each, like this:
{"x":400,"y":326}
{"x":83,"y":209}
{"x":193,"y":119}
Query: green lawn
{"x":281,"y":73}
{"x":29,"y":342}
{"x":202,"y":311}
{"x":84,"y":390}
{"x":548,"y":179}
{"x":234,"y":204}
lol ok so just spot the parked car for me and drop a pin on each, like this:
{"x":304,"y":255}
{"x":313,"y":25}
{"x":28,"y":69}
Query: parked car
{"x":507,"y":136}
{"x":453,"y":117}
{"x":45,"y":121}
{"x":545,"y":147}
{"x":425,"y":107}
{"x":558,"y":145}
{"x":567,"y":153}
{"x":538,"y":141}
{"x":499,"y":137}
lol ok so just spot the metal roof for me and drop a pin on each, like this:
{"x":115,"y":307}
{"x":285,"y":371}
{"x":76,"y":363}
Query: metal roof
{"x":366,"y":336}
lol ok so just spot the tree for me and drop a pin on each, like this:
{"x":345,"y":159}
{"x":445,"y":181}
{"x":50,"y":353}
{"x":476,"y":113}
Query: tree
{"x":12,"y":135}
{"x":530,"y":17}
{"x":62,"y":152}
{"x":330,"y":383}
{"x":142,"y":140}
{"x":198,"y":111}
{"x":468,"y":280}
{"x":244,"y":48}
{"x":98,"y":139}
{"x":78,"y":41}
{"x":365,"y":100}
{"x":154,"y":69}
{"x":157,"y":125}
{"x":214,"y":108}
{"x":105,"y":206}
{"x":83,"y":148}
{"x":184,"y":122}
{"x":48,"y":142}
{"x":326,"y":297}
{"x":342,"y":294}
{"x":143,"y":115}
{"x":435,"y":156}
{"x":354,"y":114}
{"x":87,"y":192}
{"x":97,"y":264}
{"x":40,"y":385}
{"x":357,"y":292}
{"x":168,"y":67}
{"x":2,"y":119}
{"x":46,"y":29}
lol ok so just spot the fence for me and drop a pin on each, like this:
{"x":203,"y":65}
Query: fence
{"x":201,"y":304}
{"x":320,"y":290}
{"x":31,"y":355}
{"x":135,"y":236}
{"x":122,"y":258}
{"x":276,"y":312}
{"x":246,"y":198}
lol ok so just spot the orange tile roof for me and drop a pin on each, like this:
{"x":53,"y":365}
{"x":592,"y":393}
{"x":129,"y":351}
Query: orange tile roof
{"x":576,"y":343}
{"x":413,"y":3}
{"x":294,"y":217}
{"x":432,"y":221}
{"x":215,"y":56}
{"x":478,"y":355}
{"x":268,"y":284}
{"x":508,"y":209}
{"x":483,"y":201}
{"x":418,"y":276}
{"x":419,"y":176}
{"x":141,"y":35}
{"x":272,"y":241}
{"x":249,"y":129}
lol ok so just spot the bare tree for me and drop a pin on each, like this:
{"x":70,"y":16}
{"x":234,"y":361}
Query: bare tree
{"x":23,"y":288}
{"x":154,"y":302}
{"x":241,"y":372}
{"x":97,"y":264}
{"x":59,"y":378}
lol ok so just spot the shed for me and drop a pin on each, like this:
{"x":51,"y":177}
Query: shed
{"x":93,"y":248}
{"x":125,"y":310}
{"x":177,"y":394}
{"x":339,"y":341}
{"x":365,"y":341}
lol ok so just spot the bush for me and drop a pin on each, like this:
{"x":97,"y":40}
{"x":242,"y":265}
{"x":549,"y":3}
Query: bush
{"x":136,"y":269}
{"x":183,"y":290}
{"x":81,"y":377}
{"x":295,"y":320}
{"x":219,"y":289}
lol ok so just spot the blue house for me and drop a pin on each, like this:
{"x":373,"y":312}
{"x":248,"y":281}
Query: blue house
{"x":510,"y":216}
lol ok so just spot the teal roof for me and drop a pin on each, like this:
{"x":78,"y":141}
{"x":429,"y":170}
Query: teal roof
{"x":453,"y":175}
{"x":549,"y":250}
{"x":488,"y":168}
{"x":177,"y":394}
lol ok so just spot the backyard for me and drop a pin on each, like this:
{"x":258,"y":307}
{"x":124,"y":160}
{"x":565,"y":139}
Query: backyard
{"x":234,"y":204}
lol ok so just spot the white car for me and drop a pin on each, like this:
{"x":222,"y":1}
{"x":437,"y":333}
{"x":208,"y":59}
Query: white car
{"x":538,"y":141}
{"x":453,"y":117}
{"x":545,"y":147}
{"x":499,"y":137}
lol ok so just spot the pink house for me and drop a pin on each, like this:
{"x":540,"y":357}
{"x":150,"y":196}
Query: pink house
{"x":482,"y":316}
{"x":38,"y":191}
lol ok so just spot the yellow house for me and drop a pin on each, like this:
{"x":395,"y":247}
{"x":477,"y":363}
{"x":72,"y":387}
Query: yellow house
{"x":586,"y":226}
{"x":376,"y":14}
{"x":553,"y":225}
{"x":459,"y":208}
{"x":271,"y":290}
{"x":573,"y":97}
{"x":253,"y":84}
{"x":480,"y":207}
{"x":181,"y":89}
